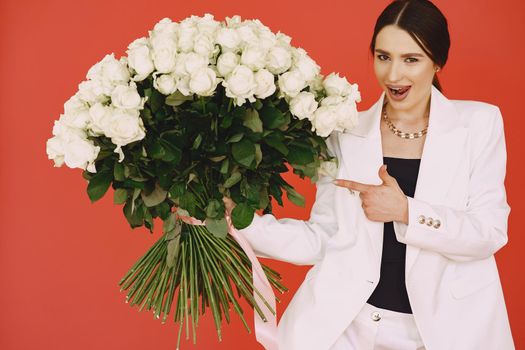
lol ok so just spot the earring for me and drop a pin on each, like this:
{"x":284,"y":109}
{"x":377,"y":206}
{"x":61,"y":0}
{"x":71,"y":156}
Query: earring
{"x":436,"y":69}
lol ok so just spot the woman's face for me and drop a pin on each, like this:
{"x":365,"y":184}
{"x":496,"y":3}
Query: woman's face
{"x":404,"y":71}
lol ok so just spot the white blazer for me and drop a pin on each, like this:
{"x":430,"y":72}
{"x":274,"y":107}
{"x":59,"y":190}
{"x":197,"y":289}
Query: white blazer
{"x":451,"y":275}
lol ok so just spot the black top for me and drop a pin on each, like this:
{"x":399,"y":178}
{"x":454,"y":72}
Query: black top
{"x":391,"y":292}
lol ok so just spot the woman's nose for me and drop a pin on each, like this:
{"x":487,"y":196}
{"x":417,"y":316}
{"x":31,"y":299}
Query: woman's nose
{"x":394,"y":73}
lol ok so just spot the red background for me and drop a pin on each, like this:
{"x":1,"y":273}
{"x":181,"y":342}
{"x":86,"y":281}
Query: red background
{"x":62,"y":257}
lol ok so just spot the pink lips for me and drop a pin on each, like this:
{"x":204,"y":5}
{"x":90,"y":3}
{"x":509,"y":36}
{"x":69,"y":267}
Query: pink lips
{"x":398,"y":92}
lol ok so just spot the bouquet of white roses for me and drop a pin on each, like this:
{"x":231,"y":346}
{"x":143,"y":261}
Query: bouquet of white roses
{"x":196,"y":111}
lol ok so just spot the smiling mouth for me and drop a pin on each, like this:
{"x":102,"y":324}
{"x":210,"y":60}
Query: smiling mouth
{"x":398,"y":91}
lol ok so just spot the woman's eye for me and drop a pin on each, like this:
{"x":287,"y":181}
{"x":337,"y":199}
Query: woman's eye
{"x":411,"y":60}
{"x":382,"y":57}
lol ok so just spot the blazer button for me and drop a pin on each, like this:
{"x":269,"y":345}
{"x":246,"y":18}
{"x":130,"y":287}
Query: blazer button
{"x":375,"y":316}
{"x":421,"y":219}
{"x":437,"y":223}
{"x":430,"y":221}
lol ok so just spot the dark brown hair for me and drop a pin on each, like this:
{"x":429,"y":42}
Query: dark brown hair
{"x":426,"y":25}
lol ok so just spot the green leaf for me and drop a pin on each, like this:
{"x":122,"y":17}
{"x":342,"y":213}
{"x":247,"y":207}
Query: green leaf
{"x":258,"y":104}
{"x":252,"y":120}
{"x":300,"y":155}
{"x":214,"y":209}
{"x":155,"y":149}
{"x":274,"y":140}
{"x":225,"y":166}
{"x":188,"y":202}
{"x":98,"y":185}
{"x":263,"y":197}
{"x":163,"y":210}
{"x":242,"y":215}
{"x":170,"y":226}
{"x":173,"y":251}
{"x":258,"y":154}
{"x":295,"y":197}
{"x":235,"y":138}
{"x":120,"y":195}
{"x":171,"y":153}
{"x":156,"y":101}
{"x":157,"y":196}
{"x":217,"y":159}
{"x":177,"y":190}
{"x":272,"y":117}
{"x":218,"y":227}
{"x":233,"y":179}
{"x":133,"y":215}
{"x":177,"y":98}
{"x":197,"y":142}
{"x":244,"y":152}
{"x":118,"y":172}
{"x":227,"y":121}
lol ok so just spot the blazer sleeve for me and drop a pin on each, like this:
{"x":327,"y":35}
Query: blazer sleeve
{"x":297,"y":241}
{"x":481,"y":229}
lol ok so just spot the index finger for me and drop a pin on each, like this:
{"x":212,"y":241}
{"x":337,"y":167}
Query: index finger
{"x":353,"y":185}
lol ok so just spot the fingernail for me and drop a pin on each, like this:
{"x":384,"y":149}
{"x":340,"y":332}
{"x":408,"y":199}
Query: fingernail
{"x":336,"y":182}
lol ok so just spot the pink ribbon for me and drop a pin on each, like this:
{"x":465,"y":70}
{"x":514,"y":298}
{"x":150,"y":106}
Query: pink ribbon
{"x":265,"y":331}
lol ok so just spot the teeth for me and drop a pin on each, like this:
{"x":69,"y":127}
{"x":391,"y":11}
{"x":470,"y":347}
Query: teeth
{"x":396,"y":91}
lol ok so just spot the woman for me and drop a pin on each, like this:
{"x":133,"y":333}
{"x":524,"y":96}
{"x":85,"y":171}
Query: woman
{"x":403,"y":257}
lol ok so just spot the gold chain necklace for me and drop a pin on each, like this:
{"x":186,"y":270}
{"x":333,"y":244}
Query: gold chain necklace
{"x":397,"y":132}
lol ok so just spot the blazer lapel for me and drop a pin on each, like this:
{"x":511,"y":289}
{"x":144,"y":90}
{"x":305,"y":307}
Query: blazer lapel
{"x":362,"y":155}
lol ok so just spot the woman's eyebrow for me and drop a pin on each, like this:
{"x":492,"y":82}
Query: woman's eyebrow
{"x":414,"y":54}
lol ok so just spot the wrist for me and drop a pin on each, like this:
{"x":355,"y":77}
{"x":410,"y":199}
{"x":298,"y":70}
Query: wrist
{"x":404,"y":211}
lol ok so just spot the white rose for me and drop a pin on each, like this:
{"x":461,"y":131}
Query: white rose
{"x":183,"y":85}
{"x":114,"y":71}
{"x":278,"y":60}
{"x":333,"y":100}
{"x":283,"y":38}
{"x":92,"y":91}
{"x":80,"y":153}
{"x":306,"y":65}
{"x":240,"y":85}
{"x":303,"y":105}
{"x":189,"y":63}
{"x":203,"y":82}
{"x":227,"y":62}
{"x":328,"y":168}
{"x":207,"y":24}
{"x":166,"y":84}
{"x":229,"y":39}
{"x":354,"y":94}
{"x":347,"y":116}
{"x":267,"y":39}
{"x":66,"y":132}
{"x":100,"y":116}
{"x":164,"y":52}
{"x":139,"y":58}
{"x":324,"y":121}
{"x":187,"y":30}
{"x":204,"y":45}
{"x":336,"y":85}
{"x":76,"y":113}
{"x":265,"y":83}
{"x":55,"y":151}
{"x":125,"y":126}
{"x":291,"y":83}
{"x":75,"y":104}
{"x":247,"y":33}
{"x":234,"y":21}
{"x":127,"y":96}
{"x":253,"y":57}
{"x":316,"y":85}
{"x":165,"y":26}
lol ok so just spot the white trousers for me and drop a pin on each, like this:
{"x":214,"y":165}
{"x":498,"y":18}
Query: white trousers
{"x":379,"y":329}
